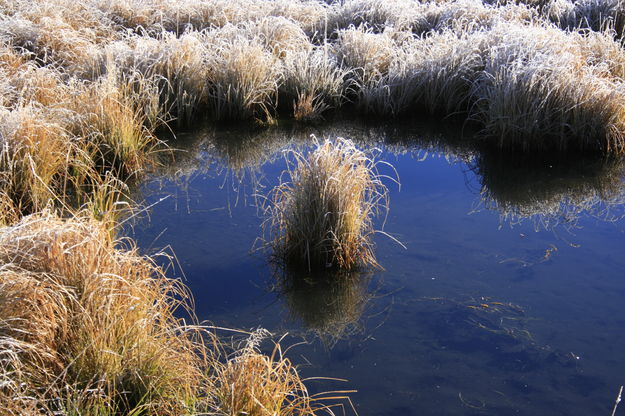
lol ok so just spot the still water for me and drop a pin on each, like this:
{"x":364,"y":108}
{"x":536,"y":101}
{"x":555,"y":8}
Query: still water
{"x":506,"y":300}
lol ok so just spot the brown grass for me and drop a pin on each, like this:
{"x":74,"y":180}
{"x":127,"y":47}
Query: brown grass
{"x":253,"y":383}
{"x":322,"y":215}
{"x":89,"y":327}
{"x":243,"y":77}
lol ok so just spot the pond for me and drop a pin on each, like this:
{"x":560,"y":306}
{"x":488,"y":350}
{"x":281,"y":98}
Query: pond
{"x":506,"y":300}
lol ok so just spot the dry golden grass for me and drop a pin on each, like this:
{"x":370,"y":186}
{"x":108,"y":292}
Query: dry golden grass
{"x":89,"y":327}
{"x":313,"y":83}
{"x":253,"y":383}
{"x":322,"y":215}
{"x":37,"y":160}
{"x":85,"y":85}
{"x":243,"y":77}
{"x":92,"y":326}
{"x":117,"y":120}
{"x":176,"y":65}
{"x":246,"y":59}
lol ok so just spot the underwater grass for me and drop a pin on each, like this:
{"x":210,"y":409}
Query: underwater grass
{"x":321,"y":214}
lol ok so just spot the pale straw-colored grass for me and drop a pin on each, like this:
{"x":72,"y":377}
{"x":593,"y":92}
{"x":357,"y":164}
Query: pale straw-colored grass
{"x":243,"y":76}
{"x":259,"y":384}
{"x":90,"y":327}
{"x":313,"y":83}
{"x":321,"y":215}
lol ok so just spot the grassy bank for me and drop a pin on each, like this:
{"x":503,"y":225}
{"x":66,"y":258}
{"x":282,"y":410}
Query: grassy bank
{"x":89,"y":327}
{"x":85,"y":87}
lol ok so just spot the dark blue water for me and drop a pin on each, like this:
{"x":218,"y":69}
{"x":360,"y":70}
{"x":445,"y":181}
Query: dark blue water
{"x":508,"y":299}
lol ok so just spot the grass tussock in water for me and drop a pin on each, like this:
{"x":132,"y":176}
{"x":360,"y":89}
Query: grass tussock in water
{"x":321,"y":215}
{"x":254,"y":383}
{"x":88,"y":327}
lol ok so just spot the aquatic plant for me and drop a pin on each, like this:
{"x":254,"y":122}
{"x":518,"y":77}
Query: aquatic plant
{"x":322,"y":216}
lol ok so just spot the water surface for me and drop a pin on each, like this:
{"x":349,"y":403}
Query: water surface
{"x":506,"y":301}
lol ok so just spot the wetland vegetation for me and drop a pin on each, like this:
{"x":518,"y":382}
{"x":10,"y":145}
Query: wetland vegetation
{"x":89,"y":90}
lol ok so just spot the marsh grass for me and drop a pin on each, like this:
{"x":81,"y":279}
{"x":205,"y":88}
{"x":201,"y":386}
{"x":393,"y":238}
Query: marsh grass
{"x":235,"y":60}
{"x":119,"y":117}
{"x":243,"y":77}
{"x":38,"y":161}
{"x":175,"y":65}
{"x":267,"y":384}
{"x":90,"y":327}
{"x":313,"y":83}
{"x":321,"y":214}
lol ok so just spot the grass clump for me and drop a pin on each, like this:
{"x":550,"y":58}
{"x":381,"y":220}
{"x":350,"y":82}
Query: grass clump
{"x":176,"y":65}
{"x":89,"y":327}
{"x":243,"y":76}
{"x":253,"y":383}
{"x":322,"y":217}
{"x":313,"y":83}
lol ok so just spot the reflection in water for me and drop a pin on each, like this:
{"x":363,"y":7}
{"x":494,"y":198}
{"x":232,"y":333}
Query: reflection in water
{"x":330,"y":304}
{"x":546,"y":190}
{"x":551,"y":190}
